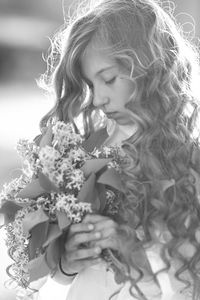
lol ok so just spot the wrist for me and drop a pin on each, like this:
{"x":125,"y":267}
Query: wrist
{"x":69,"y":274}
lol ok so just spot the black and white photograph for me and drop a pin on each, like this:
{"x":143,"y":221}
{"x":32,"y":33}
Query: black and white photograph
{"x":100,"y":150}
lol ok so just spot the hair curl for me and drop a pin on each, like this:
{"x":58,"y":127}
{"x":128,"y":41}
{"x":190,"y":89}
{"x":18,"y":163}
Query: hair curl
{"x":164,"y":67}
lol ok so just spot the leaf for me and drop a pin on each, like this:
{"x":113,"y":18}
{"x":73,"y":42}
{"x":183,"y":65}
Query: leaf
{"x":87,"y":189}
{"x":95,"y":140}
{"x":34,"y":218}
{"x":112,"y":178}
{"x":63,"y":220}
{"x":95,"y":201}
{"x":53,"y":233}
{"x":101,"y":191}
{"x":47,"y":138}
{"x":46,"y":184}
{"x":88,"y":193}
{"x":9,"y":210}
{"x":53,"y":254}
{"x":37,"y":239}
{"x":38,"y":268}
{"x":94,"y":165}
{"x":32,"y":190}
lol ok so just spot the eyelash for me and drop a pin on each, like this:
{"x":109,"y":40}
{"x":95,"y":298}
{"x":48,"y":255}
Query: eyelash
{"x":112,"y":80}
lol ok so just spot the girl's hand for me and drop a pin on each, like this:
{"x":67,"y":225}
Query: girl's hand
{"x":86,"y":240}
{"x":108,"y":229}
{"x":80,"y":249}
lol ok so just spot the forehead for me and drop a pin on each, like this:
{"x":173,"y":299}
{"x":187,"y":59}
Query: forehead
{"x":94,"y":59}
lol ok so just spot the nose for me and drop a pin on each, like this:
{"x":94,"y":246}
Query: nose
{"x":99,"y":98}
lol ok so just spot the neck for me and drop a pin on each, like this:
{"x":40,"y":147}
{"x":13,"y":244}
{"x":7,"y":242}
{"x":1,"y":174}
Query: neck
{"x":118,"y":133}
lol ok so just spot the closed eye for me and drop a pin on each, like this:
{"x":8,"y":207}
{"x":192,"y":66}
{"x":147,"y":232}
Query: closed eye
{"x":112,"y":80}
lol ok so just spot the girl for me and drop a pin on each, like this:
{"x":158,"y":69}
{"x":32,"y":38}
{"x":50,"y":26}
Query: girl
{"x":126,"y":61}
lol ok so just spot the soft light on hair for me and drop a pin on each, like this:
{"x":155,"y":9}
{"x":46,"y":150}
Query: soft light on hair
{"x":145,"y":40}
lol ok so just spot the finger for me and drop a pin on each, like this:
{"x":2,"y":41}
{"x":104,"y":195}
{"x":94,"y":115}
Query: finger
{"x":77,"y":265}
{"x":107,"y":243}
{"x":109,"y":239}
{"x":84,"y":254}
{"x":80,"y":227}
{"x":86,"y":263}
{"x":100,"y":222}
{"x":79,"y":238}
{"x":106,"y":225}
{"x":92,"y":218}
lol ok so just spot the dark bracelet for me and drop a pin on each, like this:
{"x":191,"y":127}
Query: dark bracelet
{"x":66,"y":274}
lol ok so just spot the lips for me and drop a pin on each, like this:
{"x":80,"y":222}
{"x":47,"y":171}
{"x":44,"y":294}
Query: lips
{"x":111,"y":114}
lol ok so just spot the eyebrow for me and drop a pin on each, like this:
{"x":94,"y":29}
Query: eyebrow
{"x":99,"y":72}
{"x":105,"y":69}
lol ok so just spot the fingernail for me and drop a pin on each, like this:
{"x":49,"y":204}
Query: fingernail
{"x":90,"y":226}
{"x":99,"y":260}
{"x":97,"y":250}
{"x":97,"y":234}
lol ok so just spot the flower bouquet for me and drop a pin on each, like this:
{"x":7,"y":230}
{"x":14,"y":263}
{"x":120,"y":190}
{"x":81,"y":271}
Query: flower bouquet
{"x":63,"y":179}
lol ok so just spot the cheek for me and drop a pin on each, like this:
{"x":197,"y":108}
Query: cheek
{"x":126,"y":89}
{"x":130,"y":90}
{"x":125,"y":95}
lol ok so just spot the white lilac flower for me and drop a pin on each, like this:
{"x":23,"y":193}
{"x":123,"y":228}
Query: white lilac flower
{"x":26,"y":148}
{"x":80,"y":207}
{"x":77,"y":155}
{"x":65,"y":200}
{"x":61,"y":128}
{"x":33,"y":165}
{"x":76,"y":179}
{"x":42,"y":201}
{"x":11,"y":189}
{"x":28,"y":151}
{"x":18,"y":224}
{"x":64,"y":166}
{"x":77,"y":218}
{"x":24,"y":200}
{"x":18,"y":253}
{"x":96,"y":153}
{"x":114,"y":165}
{"x":65,"y":136}
{"x":17,"y":241}
{"x":61,"y":202}
{"x":70,"y":205}
{"x":106,"y":151}
{"x":56,"y":177}
{"x":48,"y":156}
{"x":48,"y":153}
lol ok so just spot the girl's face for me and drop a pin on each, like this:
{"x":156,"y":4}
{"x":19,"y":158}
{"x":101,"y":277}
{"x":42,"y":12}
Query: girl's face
{"x":111,"y":92}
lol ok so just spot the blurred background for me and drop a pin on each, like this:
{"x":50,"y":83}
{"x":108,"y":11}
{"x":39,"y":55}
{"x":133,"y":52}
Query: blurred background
{"x":25,"y":29}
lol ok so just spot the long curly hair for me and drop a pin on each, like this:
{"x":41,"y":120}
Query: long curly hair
{"x":162,"y":167}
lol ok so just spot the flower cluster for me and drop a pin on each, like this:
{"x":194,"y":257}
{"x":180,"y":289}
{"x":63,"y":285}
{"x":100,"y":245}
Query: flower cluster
{"x":59,"y":162}
{"x":54,"y":191}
